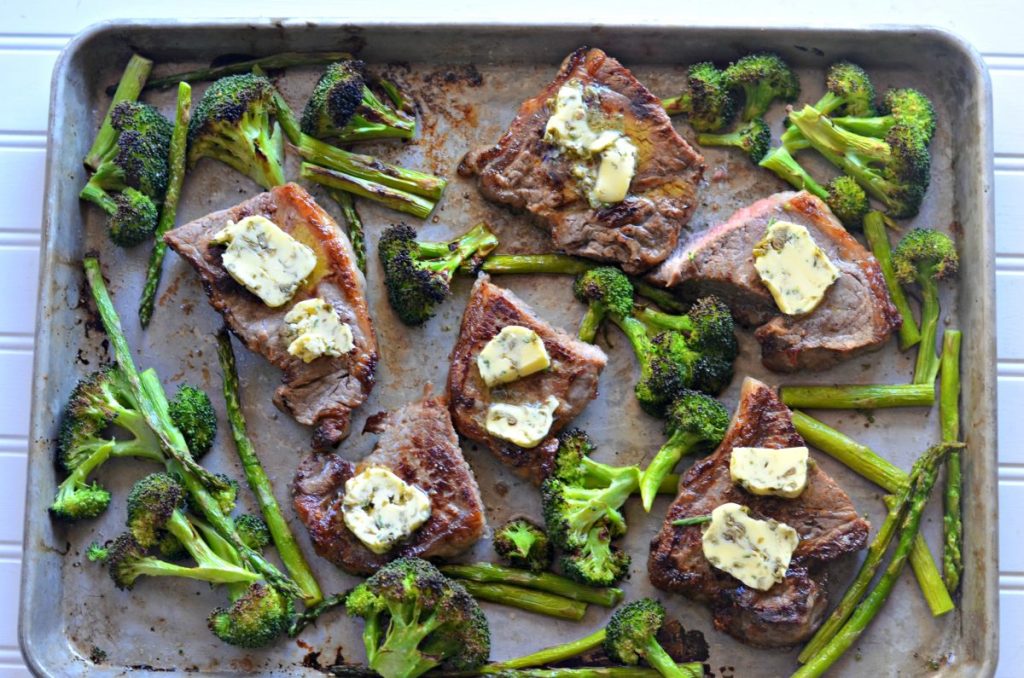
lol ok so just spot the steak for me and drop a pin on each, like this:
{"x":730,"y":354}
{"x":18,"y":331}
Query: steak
{"x":418,"y":444}
{"x":855,"y":316}
{"x":572,"y":377}
{"x":823,"y":516}
{"x":527,"y":173}
{"x":321,"y":393}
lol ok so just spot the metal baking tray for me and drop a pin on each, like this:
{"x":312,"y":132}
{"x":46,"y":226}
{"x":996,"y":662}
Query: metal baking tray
{"x":468,"y":81}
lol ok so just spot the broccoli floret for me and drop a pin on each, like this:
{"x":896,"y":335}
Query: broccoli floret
{"x":905,"y":106}
{"x":706,"y":101}
{"x":603,"y":289}
{"x":138,"y":157}
{"x":926,"y":257}
{"x":416,"y":283}
{"x":193,"y":414}
{"x":126,"y":561}
{"x":632,"y":635}
{"x":763,"y":78}
{"x":843,"y":194}
{"x":417,"y":619}
{"x":695,"y":423}
{"x":232,"y":123}
{"x":132,"y":216}
{"x":521,"y":543}
{"x":753,"y":138}
{"x":255,"y":619}
{"x":253,"y":530}
{"x":343,"y":106}
{"x":848,"y":91}
{"x":894,"y":171}
{"x":581,"y":500}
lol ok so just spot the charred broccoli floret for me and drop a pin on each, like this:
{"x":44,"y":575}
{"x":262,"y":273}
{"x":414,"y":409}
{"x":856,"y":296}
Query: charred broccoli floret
{"x":253,"y":530}
{"x":695,"y":423}
{"x":843,"y":194}
{"x":232,"y":123}
{"x":926,"y":257}
{"x":193,"y":414}
{"x":753,"y":138}
{"x":416,"y":619}
{"x":255,"y":619}
{"x":523,"y":544}
{"x":603,"y":289}
{"x":138,"y":156}
{"x":763,"y":79}
{"x":343,"y":106}
{"x":131,"y":215}
{"x":848,"y":91}
{"x":582,"y":499}
{"x":706,"y":101}
{"x":905,"y":106}
{"x":418,"y":282}
{"x":632,"y":635}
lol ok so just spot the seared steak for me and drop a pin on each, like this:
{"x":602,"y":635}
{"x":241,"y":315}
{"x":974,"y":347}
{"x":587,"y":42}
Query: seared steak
{"x":527,"y":173}
{"x":419,"y":445}
{"x":823,"y":516}
{"x":572,"y":377}
{"x":321,"y":393}
{"x":855,"y":316}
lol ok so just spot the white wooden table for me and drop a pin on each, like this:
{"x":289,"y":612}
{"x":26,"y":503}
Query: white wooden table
{"x":32,"y":33}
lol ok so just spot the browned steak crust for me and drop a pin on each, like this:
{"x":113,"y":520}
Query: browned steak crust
{"x":322,"y":393}
{"x":823,"y":515}
{"x":572,"y":377}
{"x":419,"y":445}
{"x":524,"y":172}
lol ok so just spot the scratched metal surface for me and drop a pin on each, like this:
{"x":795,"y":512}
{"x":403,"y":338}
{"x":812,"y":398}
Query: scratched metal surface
{"x":468,"y":82}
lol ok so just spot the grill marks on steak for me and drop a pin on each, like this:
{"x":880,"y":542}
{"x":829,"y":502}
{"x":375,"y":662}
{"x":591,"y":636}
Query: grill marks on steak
{"x":322,"y":393}
{"x":823,"y":515}
{"x":572,"y":377}
{"x":524,"y":172}
{"x":419,"y":445}
{"x":855,"y":316}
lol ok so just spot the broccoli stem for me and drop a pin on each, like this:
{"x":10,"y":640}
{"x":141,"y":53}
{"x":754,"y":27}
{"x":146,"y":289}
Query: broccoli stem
{"x":678,"y":444}
{"x":97,"y":196}
{"x":659,"y":659}
{"x":924,"y":476}
{"x":690,"y":669}
{"x":591,"y":323}
{"x":355,"y":226}
{"x":868,"y":464}
{"x":488,"y":573}
{"x":530,"y":600}
{"x":876,"y":126}
{"x":287,"y":547}
{"x":477,"y":242}
{"x":179,"y":526}
{"x":131,"y":85}
{"x":394,"y":198}
{"x":927,"y":366}
{"x":663,"y":321}
{"x":169,"y":211}
{"x":878,"y":240}
{"x":390,"y":123}
{"x":154,"y":567}
{"x":949,"y":416}
{"x":550,"y":655}
{"x":274,"y":61}
{"x":784,"y":165}
{"x":859,"y":396}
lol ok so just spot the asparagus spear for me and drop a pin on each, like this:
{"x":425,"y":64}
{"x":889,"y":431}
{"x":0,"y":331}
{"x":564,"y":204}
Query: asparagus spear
{"x":355,"y":226}
{"x":287,"y":547}
{"x":859,"y":397}
{"x":865,"y":612}
{"x":949,"y":415}
{"x":878,"y":240}
{"x":273,"y":61}
{"x":128,"y":89}
{"x":311,"y":614}
{"x":394,"y":198}
{"x":550,"y":655}
{"x":487,"y":573}
{"x":527,"y":599}
{"x":690,"y":669}
{"x":169,"y":211}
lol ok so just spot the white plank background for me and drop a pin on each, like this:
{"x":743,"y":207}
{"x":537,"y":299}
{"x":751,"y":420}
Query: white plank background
{"x":32,"y":33}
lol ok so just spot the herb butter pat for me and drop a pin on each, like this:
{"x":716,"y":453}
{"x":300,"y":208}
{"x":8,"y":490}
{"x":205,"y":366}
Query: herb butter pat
{"x":381,"y":509}
{"x":522,"y":425}
{"x":759,"y":470}
{"x":514,"y":353}
{"x":793,"y":268}
{"x":313,"y":330}
{"x":757,"y":552}
{"x":569,"y":128}
{"x":264,"y":259}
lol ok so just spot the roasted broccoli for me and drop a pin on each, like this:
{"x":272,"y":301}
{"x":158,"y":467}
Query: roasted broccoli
{"x":848,"y":91}
{"x":192,"y":412}
{"x":131,"y":215}
{"x":632,"y":636}
{"x":705,"y":101}
{"x":581,"y":499}
{"x":253,"y":530}
{"x":523,"y":544}
{"x":753,"y":138}
{"x":904,"y":106}
{"x":416,"y":619}
{"x":416,"y":283}
{"x":254,"y":619}
{"x":604,"y":289}
{"x":926,"y":257}
{"x":843,"y":194}
{"x":343,"y":106}
{"x":894,"y":171}
{"x":695,"y":423}
{"x":232,"y":123}
{"x":763,"y":78}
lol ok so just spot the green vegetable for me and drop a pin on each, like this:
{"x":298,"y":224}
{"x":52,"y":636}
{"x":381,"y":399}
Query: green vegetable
{"x":343,"y":106}
{"x":859,"y":396}
{"x":133,"y":79}
{"x":254,"y":619}
{"x":843,"y":195}
{"x":949,"y":415}
{"x":604,"y":289}
{"x":690,"y":669}
{"x":271,"y":62}
{"x":356,"y":234}
{"x":523,"y":544}
{"x":705,"y":101}
{"x":193,"y":414}
{"x":550,"y":655}
{"x":905,"y":106}
{"x":632,"y":636}
{"x":539,"y":602}
{"x":753,"y":138}
{"x":878,"y":241}
{"x":486,"y":573}
{"x":763,"y":78}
